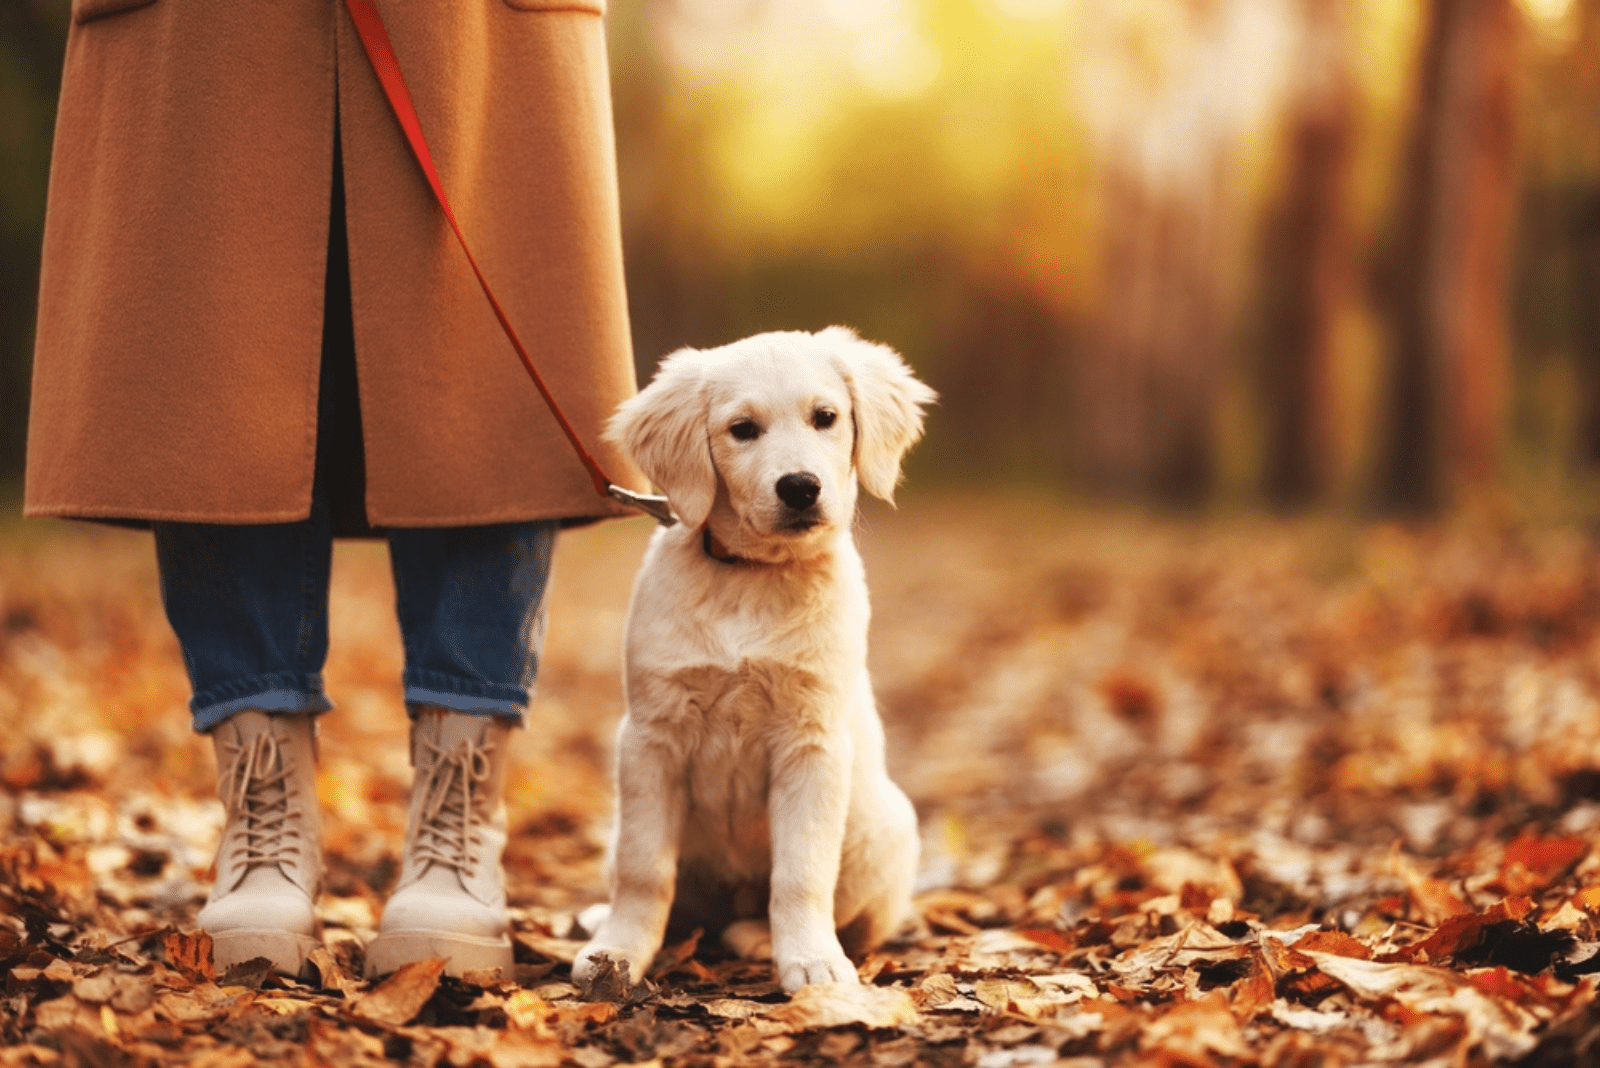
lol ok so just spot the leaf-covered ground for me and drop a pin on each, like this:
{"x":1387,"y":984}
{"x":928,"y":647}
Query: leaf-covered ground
{"x":1227,"y":793}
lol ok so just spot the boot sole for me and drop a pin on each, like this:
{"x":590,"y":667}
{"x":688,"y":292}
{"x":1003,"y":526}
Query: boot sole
{"x":462,"y":953}
{"x":286,"y":950}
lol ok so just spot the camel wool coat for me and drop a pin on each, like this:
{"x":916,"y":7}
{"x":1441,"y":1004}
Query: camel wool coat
{"x":182,"y":285}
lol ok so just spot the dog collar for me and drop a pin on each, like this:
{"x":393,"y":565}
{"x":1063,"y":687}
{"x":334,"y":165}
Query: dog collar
{"x":715,"y":549}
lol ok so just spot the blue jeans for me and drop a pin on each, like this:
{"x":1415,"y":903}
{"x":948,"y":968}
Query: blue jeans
{"x":250,"y":607}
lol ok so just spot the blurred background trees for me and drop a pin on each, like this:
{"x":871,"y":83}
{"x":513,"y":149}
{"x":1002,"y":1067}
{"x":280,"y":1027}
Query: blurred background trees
{"x":1192,"y":253}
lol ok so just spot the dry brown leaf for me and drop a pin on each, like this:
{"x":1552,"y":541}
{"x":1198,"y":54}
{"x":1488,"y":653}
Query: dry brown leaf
{"x":1433,"y":899}
{"x":1251,"y":996}
{"x":190,"y":954}
{"x":527,"y":1011}
{"x":935,"y":990}
{"x":281,"y":1006}
{"x":1336,"y":942}
{"x":1532,"y":863}
{"x":821,"y":1005}
{"x":334,"y":977}
{"x":560,"y":950}
{"x":399,"y":998}
{"x":328,"y":1044}
{"x":1194,"y":1030}
{"x":465,"y":1047}
{"x":672,"y":957}
{"x":1050,"y":938}
{"x":735,"y":1008}
{"x":1505,"y":1029}
{"x":587,"y":1012}
{"x":1458,"y":933}
{"x":1588,"y":899}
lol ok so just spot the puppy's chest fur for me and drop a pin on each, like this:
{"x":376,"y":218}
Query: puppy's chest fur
{"x":734,"y":725}
{"x":734,"y":678}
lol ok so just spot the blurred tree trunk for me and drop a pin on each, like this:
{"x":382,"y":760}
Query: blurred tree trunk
{"x":1306,"y":267}
{"x":1147,"y":387}
{"x":1445,"y":277}
{"x":1584,"y":233}
{"x":1173,"y":105}
{"x":1006,"y":389}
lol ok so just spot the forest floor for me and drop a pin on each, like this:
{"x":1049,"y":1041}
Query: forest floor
{"x":1235,"y":792}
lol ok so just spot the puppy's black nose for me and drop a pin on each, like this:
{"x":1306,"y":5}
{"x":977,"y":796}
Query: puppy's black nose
{"x":799,"y":491}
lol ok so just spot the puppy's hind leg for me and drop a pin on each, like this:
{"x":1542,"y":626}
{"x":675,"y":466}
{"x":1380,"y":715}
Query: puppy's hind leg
{"x":877,"y":874}
{"x":749,"y":939}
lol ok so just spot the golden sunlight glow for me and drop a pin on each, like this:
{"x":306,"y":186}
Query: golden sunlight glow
{"x":1547,"y":10}
{"x":1554,"y":21}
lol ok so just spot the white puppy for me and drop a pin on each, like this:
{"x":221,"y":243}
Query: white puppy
{"x":750,"y":763}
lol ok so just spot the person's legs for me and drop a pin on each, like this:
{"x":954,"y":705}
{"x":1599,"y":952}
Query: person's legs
{"x":471,"y":608}
{"x":249,"y":605}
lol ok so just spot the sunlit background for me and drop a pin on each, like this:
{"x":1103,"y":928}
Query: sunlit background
{"x":1190,"y":253}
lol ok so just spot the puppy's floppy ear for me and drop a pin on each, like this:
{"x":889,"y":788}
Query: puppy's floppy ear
{"x":888,"y":402}
{"x":663,"y":428}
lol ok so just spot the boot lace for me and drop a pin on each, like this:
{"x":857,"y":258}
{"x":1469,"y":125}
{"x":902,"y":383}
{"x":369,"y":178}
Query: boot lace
{"x":454,"y":806}
{"x":259,"y":797}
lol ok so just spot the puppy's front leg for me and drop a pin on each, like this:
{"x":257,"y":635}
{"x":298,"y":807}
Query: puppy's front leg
{"x":650,"y":805}
{"x":807,"y":808}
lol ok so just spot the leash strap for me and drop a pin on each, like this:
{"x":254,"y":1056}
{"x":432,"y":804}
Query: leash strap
{"x":380,"y":52}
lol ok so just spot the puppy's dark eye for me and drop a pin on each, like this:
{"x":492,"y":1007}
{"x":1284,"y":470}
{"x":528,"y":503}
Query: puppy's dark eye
{"x":823,"y":418}
{"x":745,"y":430}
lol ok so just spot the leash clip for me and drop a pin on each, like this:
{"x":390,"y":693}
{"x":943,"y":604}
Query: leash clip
{"x":648,"y":503}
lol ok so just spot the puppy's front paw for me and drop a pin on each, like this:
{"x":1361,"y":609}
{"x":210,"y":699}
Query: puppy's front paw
{"x":834,"y":967}
{"x":600,"y":964}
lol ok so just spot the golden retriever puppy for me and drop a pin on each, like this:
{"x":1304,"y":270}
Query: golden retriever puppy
{"x":750,"y":764}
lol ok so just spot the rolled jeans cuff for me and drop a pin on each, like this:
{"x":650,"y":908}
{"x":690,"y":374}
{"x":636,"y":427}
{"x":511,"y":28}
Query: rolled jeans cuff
{"x":470,"y":696}
{"x":292,"y":692}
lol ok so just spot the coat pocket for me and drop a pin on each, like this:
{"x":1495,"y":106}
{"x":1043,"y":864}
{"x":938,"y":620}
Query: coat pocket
{"x":590,"y":7}
{"x":85,"y":10}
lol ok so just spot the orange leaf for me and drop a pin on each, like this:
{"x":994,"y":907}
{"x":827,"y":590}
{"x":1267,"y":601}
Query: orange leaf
{"x":1335,"y":942}
{"x":190,"y":954}
{"x":1433,"y":898}
{"x":399,"y":998}
{"x":1049,"y":938}
{"x":1463,"y":932}
{"x":1252,"y":996}
{"x":1546,"y":856}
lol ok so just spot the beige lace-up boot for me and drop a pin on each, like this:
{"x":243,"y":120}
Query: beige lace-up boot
{"x":451,"y":898}
{"x":269,"y":865}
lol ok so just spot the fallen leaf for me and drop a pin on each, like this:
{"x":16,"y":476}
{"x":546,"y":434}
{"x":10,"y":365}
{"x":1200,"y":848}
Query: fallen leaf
{"x":527,"y":1011}
{"x":735,"y":1008}
{"x":821,"y":1005}
{"x":1432,"y":899}
{"x":1190,"y":1032}
{"x":189,"y":954}
{"x":333,"y":976}
{"x":1336,"y":942}
{"x":1532,"y":863}
{"x":399,"y":998}
{"x":1506,"y":1030}
{"x":1251,"y":996}
{"x":669,"y":958}
{"x":560,"y":950}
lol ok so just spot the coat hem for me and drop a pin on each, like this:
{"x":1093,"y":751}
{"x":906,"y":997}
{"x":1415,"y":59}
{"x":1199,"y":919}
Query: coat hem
{"x":143,"y":518}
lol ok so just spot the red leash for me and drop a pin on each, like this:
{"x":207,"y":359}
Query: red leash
{"x":380,"y":51}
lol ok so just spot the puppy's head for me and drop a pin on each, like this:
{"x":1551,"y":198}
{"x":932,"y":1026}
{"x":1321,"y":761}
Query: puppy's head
{"x":765,"y":437}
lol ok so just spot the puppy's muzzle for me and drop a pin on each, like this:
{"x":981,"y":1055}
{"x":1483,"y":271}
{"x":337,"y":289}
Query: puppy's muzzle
{"x":799,"y":491}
